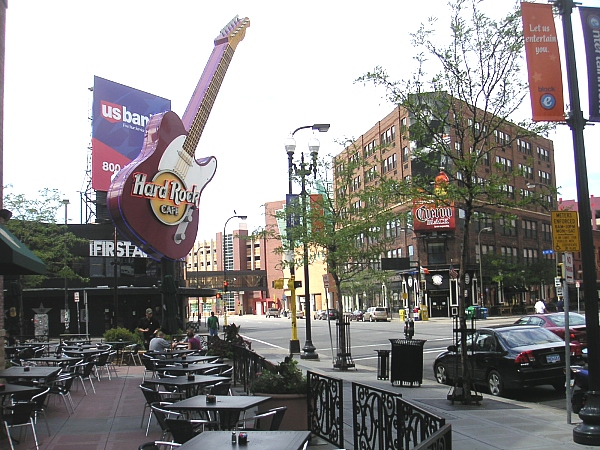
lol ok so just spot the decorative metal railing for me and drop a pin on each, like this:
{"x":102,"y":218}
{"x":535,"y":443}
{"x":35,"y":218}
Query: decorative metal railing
{"x":326,"y":407}
{"x":375,"y":414}
{"x":416,"y":424}
{"x":440,"y":440}
{"x":247,"y":364}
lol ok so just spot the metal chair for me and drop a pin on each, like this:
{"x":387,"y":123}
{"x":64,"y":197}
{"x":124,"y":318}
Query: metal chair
{"x":276,"y":414}
{"x":110,"y":364}
{"x":83,"y":371}
{"x":182,"y":430}
{"x":62,"y":387}
{"x":38,"y":397}
{"x":100,"y":364}
{"x":17,"y":416}
{"x":149,"y":366}
{"x":133,"y":353}
{"x":161,"y":416}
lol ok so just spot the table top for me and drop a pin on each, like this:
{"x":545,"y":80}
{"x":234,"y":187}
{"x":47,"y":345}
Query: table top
{"x":32,"y":373}
{"x":263,"y":440}
{"x":182,"y":381}
{"x":191,"y":368}
{"x":224,"y":402}
{"x":85,"y":351}
{"x":12,"y":388}
{"x":188,"y":359}
{"x":54,"y":359}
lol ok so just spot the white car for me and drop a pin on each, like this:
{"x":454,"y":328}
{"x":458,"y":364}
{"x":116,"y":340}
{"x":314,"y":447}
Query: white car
{"x":375,"y":314}
{"x":272,"y":312}
{"x":299,"y":314}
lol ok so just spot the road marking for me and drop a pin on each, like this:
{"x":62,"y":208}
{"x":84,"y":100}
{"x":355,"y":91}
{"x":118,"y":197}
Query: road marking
{"x":261,"y":342}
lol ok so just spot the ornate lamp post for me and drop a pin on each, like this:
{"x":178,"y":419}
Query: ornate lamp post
{"x":225,"y":282}
{"x":487,"y":230}
{"x":302,"y":171}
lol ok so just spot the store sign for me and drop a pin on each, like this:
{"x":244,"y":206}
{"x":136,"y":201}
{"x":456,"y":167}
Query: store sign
{"x":428,"y":217}
{"x":125,"y":249}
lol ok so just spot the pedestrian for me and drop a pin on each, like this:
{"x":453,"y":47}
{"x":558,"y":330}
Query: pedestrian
{"x":193,"y":343}
{"x":560,"y":305}
{"x":213,"y":324}
{"x":540,"y":307}
{"x":148,"y":326}
{"x":159,"y":344}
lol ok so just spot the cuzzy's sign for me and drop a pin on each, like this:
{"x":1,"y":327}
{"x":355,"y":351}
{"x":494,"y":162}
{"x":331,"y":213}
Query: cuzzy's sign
{"x":429,"y":217}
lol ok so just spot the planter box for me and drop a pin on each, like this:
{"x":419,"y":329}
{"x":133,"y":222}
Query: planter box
{"x":296,"y":415}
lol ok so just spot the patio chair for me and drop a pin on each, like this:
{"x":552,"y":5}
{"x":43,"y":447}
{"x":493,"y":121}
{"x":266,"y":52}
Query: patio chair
{"x":100,"y":364}
{"x":110,"y":364}
{"x":182,"y":430}
{"x":62,"y":387}
{"x":227,"y":372}
{"x":159,"y":445}
{"x":220,"y":388}
{"x":161,"y":415}
{"x":83,"y":371}
{"x":17,"y":416}
{"x":132,"y":353}
{"x":38,"y":397}
{"x":275,"y":413}
{"x":149,"y":366}
{"x":153,"y":396}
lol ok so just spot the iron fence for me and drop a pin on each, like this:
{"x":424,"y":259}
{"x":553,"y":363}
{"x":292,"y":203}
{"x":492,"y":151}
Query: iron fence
{"x":326,"y":407}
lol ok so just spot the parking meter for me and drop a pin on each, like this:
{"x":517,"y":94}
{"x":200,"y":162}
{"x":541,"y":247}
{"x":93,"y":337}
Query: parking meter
{"x":409,"y":328}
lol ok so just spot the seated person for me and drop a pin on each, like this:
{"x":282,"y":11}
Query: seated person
{"x":159,"y":344}
{"x":193,"y":343}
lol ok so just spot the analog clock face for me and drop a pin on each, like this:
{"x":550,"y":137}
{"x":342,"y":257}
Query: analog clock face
{"x":437,"y":279}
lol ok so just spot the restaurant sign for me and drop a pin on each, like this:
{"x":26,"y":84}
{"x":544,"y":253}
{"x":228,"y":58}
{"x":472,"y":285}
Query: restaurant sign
{"x":429,"y":217}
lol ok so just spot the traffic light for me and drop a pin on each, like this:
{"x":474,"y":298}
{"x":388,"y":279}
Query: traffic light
{"x":225,"y":286}
{"x":560,"y":271}
{"x":218,"y":296}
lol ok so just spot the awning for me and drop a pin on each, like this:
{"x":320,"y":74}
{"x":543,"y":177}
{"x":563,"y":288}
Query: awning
{"x":16,"y":258}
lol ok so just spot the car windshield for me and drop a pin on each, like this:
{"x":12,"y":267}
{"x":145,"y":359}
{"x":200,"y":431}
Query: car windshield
{"x":574,"y":319}
{"x":515,"y":337}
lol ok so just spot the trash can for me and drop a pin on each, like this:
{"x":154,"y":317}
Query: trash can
{"x":407,"y":362}
{"x":402,"y":314}
{"x":470,"y":312}
{"x":424,"y":312}
{"x":484,"y":313}
{"x":383,"y":364}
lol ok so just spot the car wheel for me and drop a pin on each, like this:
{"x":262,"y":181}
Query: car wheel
{"x":495,"y":383}
{"x":441,"y":375}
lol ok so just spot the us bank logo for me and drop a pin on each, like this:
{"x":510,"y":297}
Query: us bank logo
{"x":593,"y":22}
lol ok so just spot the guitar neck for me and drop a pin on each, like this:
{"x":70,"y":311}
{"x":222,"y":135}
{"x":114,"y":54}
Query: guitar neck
{"x":197,"y":112}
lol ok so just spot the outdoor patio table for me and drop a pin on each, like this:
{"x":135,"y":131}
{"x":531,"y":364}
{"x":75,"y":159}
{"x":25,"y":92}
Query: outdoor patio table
{"x":84,"y":353}
{"x":184,"y":383}
{"x":227,"y":407}
{"x":263,"y":440}
{"x":188,"y":359}
{"x":54,"y":360}
{"x":34,"y":373}
{"x":192,"y":368}
{"x":118,"y":346}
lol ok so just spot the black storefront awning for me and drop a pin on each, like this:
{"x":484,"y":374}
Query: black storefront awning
{"x":16,"y":258}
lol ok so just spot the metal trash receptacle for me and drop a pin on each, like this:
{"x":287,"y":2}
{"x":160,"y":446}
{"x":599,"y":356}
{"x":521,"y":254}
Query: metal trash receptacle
{"x":484,"y":313}
{"x":383,"y":364}
{"x":407,"y":362}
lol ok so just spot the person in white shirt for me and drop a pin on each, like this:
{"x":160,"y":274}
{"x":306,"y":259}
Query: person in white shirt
{"x":540,"y":307}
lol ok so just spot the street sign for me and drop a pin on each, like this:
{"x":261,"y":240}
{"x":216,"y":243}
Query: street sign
{"x":559,"y":291}
{"x":565,"y":231}
{"x":568,"y":260}
{"x":557,"y":282}
{"x":76,"y":296}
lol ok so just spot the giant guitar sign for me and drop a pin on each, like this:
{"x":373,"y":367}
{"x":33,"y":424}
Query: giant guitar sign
{"x":154,"y":201}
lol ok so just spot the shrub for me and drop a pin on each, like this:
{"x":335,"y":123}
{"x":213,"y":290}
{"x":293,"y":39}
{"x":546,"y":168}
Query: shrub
{"x":115,"y":334}
{"x":285,"y":378}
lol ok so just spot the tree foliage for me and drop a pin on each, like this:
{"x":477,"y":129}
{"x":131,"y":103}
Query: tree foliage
{"x":34,"y":223}
{"x":459,"y":99}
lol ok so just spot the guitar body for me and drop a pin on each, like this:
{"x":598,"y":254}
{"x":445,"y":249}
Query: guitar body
{"x":154,"y":200}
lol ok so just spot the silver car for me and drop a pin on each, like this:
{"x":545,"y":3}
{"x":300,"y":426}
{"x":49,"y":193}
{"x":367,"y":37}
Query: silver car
{"x":375,"y":314}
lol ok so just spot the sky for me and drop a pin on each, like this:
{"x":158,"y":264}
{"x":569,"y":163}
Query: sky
{"x":295,"y":67}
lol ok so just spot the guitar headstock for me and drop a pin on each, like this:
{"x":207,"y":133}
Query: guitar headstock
{"x":234,"y":32}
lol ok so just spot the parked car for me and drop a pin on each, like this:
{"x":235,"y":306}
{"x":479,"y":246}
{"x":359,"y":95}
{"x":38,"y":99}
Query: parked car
{"x":299,"y":314}
{"x":358,"y":314}
{"x":555,"y":322}
{"x":319,"y":314}
{"x":375,"y":314}
{"x":272,"y":312}
{"x":507,"y":357}
{"x":323,"y":315}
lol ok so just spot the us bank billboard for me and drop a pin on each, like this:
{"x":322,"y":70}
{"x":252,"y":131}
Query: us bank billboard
{"x":119,"y":118}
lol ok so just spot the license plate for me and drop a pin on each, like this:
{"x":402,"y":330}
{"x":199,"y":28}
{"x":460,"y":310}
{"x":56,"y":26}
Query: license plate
{"x":552,"y":358}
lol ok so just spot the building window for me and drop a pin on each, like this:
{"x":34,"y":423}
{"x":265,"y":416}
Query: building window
{"x":510,"y":254}
{"x":370,"y":174}
{"x":369,"y":149}
{"x":543,"y":154}
{"x":546,"y":231}
{"x":482,"y":220}
{"x":436,"y":253}
{"x":356,"y":183}
{"x":506,"y":164}
{"x":524,"y":147}
{"x":530,"y":255}
{"x":508,"y":226}
{"x":529,"y":228}
{"x":544,"y":177}
{"x":526,"y":171}
{"x":405,"y":154}
{"x":388,"y":137}
{"x":390,"y":163}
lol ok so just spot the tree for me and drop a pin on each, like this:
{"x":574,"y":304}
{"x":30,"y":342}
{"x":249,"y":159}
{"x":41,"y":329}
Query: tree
{"x":458,"y":118}
{"x":34,"y":223}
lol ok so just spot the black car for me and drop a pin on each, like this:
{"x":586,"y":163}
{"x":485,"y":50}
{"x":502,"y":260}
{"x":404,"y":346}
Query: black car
{"x":507,"y":357}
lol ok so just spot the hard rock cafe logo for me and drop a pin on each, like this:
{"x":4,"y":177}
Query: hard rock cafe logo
{"x":169,"y":198}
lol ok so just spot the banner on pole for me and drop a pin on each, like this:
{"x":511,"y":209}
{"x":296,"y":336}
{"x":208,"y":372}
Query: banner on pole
{"x":590,"y":23}
{"x":543,"y":63}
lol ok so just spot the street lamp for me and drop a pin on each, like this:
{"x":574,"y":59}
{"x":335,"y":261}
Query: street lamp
{"x":302,"y":171}
{"x":486,"y":229}
{"x":225,"y":282}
